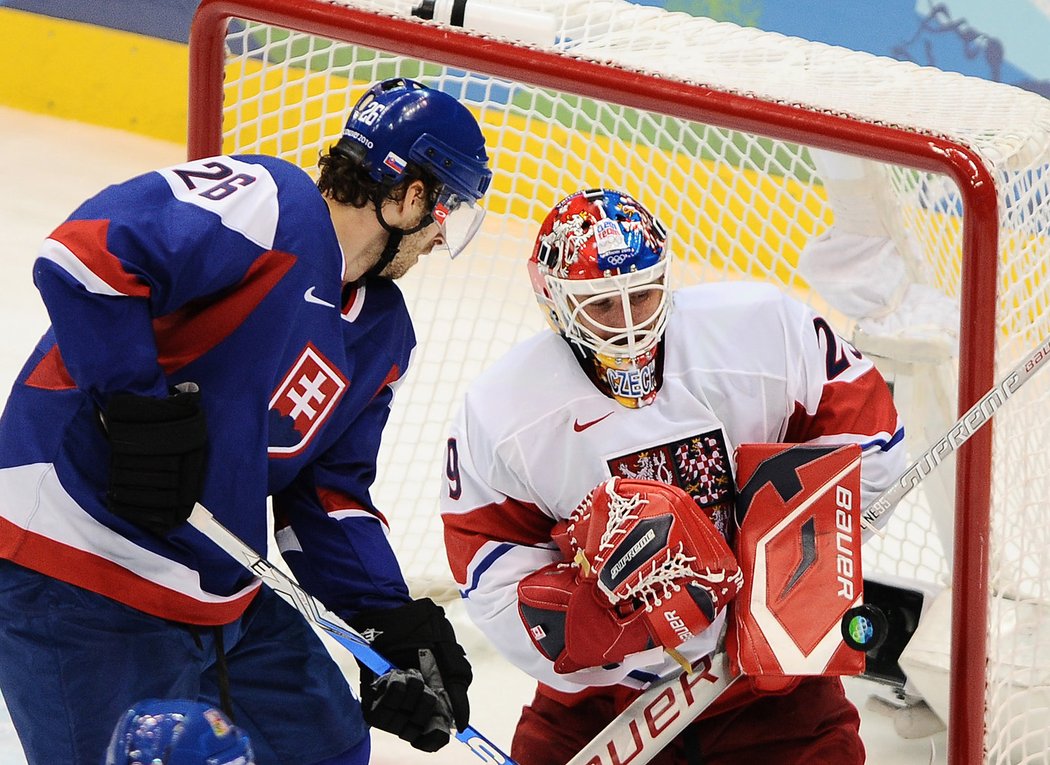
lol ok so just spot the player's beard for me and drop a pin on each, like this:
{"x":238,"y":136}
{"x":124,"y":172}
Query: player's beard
{"x":412,"y":247}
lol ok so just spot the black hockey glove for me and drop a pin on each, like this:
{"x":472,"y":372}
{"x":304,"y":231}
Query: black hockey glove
{"x":422,"y":699}
{"x":157,"y":458}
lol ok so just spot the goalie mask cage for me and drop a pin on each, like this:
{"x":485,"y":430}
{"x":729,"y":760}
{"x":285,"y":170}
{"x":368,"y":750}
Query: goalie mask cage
{"x":723,"y":132}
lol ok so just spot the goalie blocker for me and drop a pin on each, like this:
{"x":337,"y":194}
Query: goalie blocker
{"x":797,"y":570}
{"x":798,"y":542}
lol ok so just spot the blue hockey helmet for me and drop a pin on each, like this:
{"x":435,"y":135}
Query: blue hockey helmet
{"x":177,"y":732}
{"x":398,"y":121}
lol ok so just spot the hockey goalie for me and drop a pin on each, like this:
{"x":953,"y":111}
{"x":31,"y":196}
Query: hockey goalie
{"x":591,"y":509}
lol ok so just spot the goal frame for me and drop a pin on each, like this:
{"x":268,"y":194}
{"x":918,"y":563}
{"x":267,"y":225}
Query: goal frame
{"x":737,"y":111}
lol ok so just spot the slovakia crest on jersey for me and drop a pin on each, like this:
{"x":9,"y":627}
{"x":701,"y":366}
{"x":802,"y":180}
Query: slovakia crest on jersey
{"x":307,"y":395}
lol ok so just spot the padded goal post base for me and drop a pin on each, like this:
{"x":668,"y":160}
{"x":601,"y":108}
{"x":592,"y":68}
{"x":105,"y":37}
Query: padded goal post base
{"x":903,"y":603}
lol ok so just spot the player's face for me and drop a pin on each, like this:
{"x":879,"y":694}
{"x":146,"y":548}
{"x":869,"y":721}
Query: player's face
{"x":610,"y":315}
{"x":412,"y":248}
{"x":406,"y":214}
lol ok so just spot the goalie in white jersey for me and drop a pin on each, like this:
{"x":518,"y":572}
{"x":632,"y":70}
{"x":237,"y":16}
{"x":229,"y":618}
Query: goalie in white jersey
{"x":638,"y":382}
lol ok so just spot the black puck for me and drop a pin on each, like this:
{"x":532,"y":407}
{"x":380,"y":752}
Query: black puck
{"x":864,"y":627}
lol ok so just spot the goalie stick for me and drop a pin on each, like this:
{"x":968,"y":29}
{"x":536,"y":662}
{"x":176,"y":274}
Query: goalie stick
{"x":665,"y":709}
{"x":670,"y":705}
{"x":315,"y":613}
{"x":973,"y":420}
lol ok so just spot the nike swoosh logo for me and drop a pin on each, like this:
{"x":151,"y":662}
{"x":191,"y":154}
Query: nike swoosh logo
{"x":579,"y":427}
{"x":310,"y":297}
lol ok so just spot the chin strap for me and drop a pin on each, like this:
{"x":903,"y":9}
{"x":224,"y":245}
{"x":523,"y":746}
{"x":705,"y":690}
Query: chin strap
{"x":395,"y":235}
{"x":393,"y":242}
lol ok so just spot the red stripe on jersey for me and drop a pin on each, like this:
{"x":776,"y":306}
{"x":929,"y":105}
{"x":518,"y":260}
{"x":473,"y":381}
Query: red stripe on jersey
{"x":333,"y":501}
{"x":863,"y":406}
{"x":96,"y":574}
{"x":391,"y":377}
{"x":508,"y":521}
{"x":51,"y":372}
{"x":87,"y":240}
{"x":353,"y":302}
{"x":197,"y":327}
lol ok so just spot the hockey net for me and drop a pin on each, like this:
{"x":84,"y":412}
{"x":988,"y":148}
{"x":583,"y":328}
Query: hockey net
{"x":751,"y":147}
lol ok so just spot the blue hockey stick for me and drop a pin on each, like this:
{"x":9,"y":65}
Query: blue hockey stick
{"x":316,"y":614}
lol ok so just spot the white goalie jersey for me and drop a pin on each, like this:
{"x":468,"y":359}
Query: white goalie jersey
{"x":742,"y":364}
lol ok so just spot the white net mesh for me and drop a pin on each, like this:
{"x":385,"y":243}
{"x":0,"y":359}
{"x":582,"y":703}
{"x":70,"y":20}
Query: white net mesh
{"x":738,"y":205}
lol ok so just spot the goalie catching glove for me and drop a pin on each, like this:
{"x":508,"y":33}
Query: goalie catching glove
{"x":649,"y":569}
{"x":426,"y":694}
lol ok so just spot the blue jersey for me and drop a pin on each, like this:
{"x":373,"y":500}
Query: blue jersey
{"x":225,"y":272}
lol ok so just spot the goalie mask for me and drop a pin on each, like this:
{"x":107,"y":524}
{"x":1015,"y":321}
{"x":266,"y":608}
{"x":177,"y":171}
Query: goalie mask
{"x":599,"y":271}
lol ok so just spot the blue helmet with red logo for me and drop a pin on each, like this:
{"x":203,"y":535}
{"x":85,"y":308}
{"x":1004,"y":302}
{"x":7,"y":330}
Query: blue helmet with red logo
{"x":399,"y":121}
{"x":177,"y":732}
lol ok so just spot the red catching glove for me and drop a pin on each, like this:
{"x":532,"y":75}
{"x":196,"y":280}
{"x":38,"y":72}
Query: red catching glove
{"x":572,"y":624}
{"x":649,"y":569}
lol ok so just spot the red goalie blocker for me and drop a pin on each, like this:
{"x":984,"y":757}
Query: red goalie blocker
{"x":798,"y":544}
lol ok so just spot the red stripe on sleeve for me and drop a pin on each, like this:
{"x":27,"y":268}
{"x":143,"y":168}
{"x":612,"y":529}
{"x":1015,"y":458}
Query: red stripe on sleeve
{"x":199,"y":326}
{"x":333,"y":501}
{"x":392,"y":377}
{"x":51,"y":372}
{"x":863,"y":406}
{"x":508,"y":521}
{"x":87,"y":240}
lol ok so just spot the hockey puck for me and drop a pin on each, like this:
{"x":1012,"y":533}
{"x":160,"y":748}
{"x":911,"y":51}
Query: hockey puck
{"x":864,"y":628}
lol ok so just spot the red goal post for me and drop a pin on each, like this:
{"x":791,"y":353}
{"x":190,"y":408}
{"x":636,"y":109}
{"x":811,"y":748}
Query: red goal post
{"x":713,"y":127}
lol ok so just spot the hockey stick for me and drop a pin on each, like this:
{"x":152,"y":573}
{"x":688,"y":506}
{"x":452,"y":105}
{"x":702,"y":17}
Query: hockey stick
{"x":671,"y":701}
{"x":972,"y":421}
{"x":665,"y":709}
{"x":315,"y":614}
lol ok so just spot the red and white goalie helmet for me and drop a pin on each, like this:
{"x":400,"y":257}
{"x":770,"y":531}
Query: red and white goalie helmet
{"x":599,"y":271}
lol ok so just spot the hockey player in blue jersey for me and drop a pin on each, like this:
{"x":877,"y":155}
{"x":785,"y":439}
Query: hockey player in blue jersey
{"x":228,"y":331}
